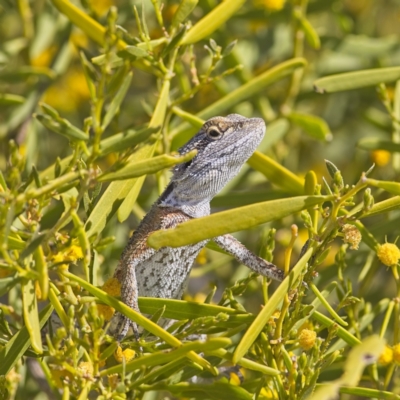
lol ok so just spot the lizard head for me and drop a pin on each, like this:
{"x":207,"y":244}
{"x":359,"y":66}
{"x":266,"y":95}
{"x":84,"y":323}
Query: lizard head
{"x":223,"y":145}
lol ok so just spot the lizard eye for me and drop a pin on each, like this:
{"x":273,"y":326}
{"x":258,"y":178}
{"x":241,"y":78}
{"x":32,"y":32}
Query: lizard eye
{"x":214,"y":133}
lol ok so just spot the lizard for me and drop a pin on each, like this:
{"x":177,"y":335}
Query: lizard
{"x":223,"y":145}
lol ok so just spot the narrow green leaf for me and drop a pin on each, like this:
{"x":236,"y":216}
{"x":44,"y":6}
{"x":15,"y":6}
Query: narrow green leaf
{"x":113,"y":197}
{"x":90,"y":74}
{"x":270,"y":307}
{"x":313,"y":126}
{"x":113,"y":61}
{"x":158,"y":116}
{"x":157,"y":119}
{"x":391,"y":187}
{"x":147,"y":166}
{"x":12,"y":352}
{"x":6,"y":284}
{"x":122,"y":141}
{"x":244,"y":362}
{"x":42,"y":270}
{"x":174,"y":41}
{"x":62,"y":127}
{"x":215,"y":390}
{"x":14,"y":243}
{"x":341,"y":332}
{"x":241,"y":218}
{"x":276,"y":173}
{"x":193,"y":120}
{"x":356,"y":80}
{"x":212,"y":21}
{"x":7,"y":99}
{"x":117,"y":101}
{"x":310,"y":33}
{"x":244,"y":92}
{"x":31,"y":315}
{"x":55,"y":302}
{"x":163,"y":357}
{"x":327,"y":306}
{"x":132,"y":53}
{"x":32,"y":245}
{"x":23,"y":73}
{"x":180,"y":309}
{"x":332,"y":168}
{"x":184,"y":9}
{"x":83,"y":21}
{"x":361,"y":392}
{"x":125,"y":209}
{"x":378,"y":144}
{"x":135,"y":316}
{"x":383,"y":207}
{"x":367,"y":236}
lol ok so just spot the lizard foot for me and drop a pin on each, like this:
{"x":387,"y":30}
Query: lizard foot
{"x":119,"y":327}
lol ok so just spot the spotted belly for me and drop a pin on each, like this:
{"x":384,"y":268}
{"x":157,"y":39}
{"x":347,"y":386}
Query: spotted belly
{"x":165,"y":274}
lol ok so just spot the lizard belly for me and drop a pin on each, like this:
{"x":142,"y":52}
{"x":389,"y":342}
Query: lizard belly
{"x":165,"y":274}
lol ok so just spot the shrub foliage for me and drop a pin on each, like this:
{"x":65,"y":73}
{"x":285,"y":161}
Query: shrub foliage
{"x":97,"y":96}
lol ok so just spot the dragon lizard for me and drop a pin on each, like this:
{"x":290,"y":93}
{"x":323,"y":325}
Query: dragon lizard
{"x":223,"y":145}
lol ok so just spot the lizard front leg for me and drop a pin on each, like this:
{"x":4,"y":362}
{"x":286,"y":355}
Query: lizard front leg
{"x":126,"y":275}
{"x":248,"y":258}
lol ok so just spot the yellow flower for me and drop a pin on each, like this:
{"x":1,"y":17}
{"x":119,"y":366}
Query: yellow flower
{"x":352,"y":236}
{"x":100,"y":7}
{"x":120,"y":354}
{"x":44,"y":58}
{"x":273,"y":5}
{"x":59,"y":375}
{"x":74,"y":91}
{"x":112,"y":286}
{"x":268,"y":393}
{"x":386,"y":357}
{"x":105,"y":311}
{"x":380,"y":157}
{"x":307,"y":339}
{"x":73,"y":253}
{"x":396,"y":353}
{"x":86,"y":368}
{"x":389,"y":254}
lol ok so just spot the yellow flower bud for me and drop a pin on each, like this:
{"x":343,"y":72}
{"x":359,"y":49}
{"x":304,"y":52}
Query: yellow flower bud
{"x":112,"y":286}
{"x":396,"y":353}
{"x":389,"y":254}
{"x":380,"y":157}
{"x":386,"y":357}
{"x":273,"y":5}
{"x":307,"y":339}
{"x":351,"y":235}
{"x":120,"y":354}
{"x":85,"y":367}
{"x":105,"y":311}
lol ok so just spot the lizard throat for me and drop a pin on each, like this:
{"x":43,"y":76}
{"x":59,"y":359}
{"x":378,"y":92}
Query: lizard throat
{"x":190,"y":208}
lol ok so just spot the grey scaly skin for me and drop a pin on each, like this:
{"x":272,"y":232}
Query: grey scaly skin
{"x":223,"y":145}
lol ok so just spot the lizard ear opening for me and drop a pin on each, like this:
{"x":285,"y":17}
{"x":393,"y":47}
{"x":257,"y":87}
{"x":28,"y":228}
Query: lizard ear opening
{"x":214,"y":133}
